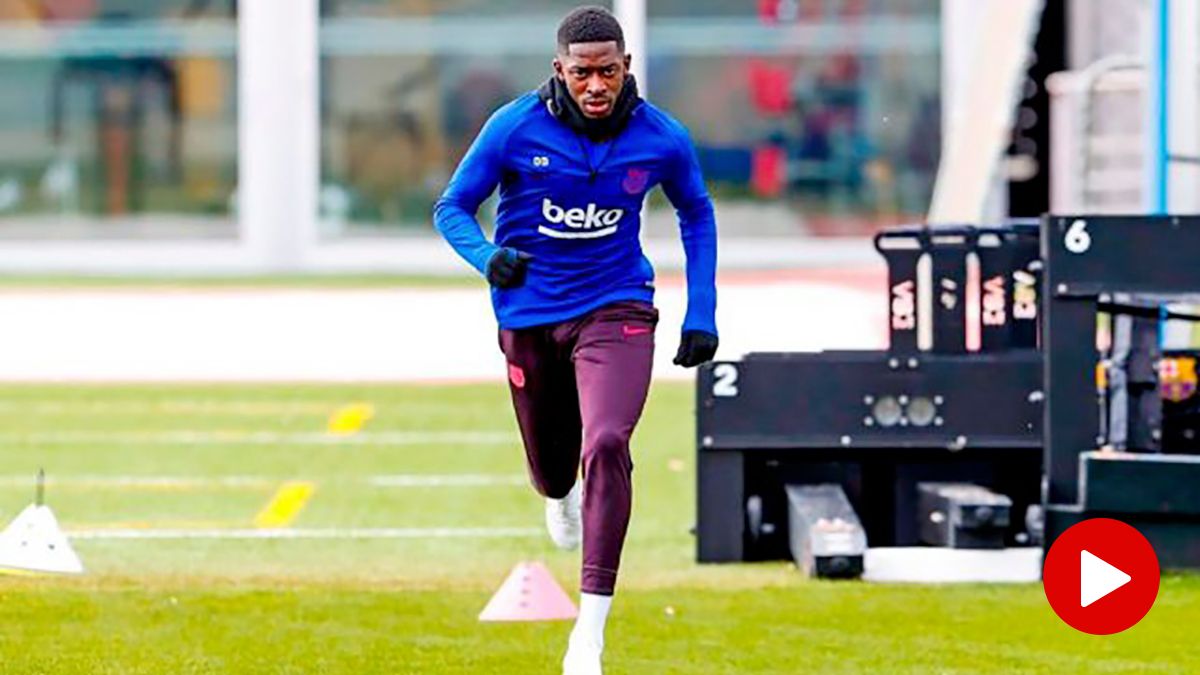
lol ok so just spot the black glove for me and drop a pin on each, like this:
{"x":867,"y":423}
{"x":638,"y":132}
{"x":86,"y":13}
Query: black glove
{"x":696,"y":347}
{"x":506,"y":268}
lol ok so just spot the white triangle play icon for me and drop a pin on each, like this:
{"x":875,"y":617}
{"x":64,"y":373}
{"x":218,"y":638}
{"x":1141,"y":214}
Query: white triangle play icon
{"x":34,"y":543}
{"x":1097,"y":578}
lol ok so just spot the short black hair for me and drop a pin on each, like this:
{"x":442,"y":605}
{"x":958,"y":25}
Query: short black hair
{"x":589,"y":24}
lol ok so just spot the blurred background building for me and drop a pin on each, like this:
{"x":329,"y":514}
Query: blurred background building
{"x":125,"y":124}
{"x":117,"y":118}
{"x":804,"y":113}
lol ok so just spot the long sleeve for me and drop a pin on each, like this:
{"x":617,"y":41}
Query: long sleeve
{"x":473,"y":181}
{"x":684,"y":186}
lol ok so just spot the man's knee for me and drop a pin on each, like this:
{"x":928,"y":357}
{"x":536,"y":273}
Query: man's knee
{"x":608,"y":443}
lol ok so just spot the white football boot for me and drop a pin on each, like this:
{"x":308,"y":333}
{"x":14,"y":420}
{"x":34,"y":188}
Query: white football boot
{"x":564,"y":520}
{"x":583,"y":657}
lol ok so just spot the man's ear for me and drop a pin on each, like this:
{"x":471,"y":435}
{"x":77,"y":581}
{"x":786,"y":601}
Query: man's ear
{"x":628,"y":61}
{"x":558,"y":67}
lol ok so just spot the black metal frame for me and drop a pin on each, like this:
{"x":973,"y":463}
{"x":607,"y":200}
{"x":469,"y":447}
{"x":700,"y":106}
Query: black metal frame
{"x":1090,"y":259}
{"x":981,"y":410}
{"x":752,"y":443}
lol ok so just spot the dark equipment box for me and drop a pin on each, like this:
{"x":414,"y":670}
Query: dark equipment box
{"x":962,"y":515}
{"x":875,"y":424}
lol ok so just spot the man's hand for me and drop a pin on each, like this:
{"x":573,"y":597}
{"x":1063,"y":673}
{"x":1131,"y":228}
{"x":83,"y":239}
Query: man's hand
{"x":696,"y":347}
{"x":506,"y":268}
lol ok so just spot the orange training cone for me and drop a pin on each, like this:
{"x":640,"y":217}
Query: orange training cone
{"x":530,"y":593}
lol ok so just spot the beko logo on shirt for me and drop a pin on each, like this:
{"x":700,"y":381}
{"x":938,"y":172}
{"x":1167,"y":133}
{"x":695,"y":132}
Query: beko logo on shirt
{"x":588,"y":223}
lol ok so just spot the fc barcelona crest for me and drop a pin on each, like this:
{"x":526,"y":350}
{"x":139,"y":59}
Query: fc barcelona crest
{"x":1177,"y":378}
{"x":635,"y":181}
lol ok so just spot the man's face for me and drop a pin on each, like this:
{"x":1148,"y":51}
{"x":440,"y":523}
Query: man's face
{"x":594,"y":73}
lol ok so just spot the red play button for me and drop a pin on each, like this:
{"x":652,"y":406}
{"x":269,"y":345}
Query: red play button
{"x":1101,"y":576}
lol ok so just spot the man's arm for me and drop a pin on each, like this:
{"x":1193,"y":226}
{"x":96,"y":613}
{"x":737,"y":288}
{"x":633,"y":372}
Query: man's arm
{"x":473,"y":181}
{"x":684,"y":186}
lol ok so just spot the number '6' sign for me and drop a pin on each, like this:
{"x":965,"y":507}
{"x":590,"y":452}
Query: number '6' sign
{"x":1078,"y":239}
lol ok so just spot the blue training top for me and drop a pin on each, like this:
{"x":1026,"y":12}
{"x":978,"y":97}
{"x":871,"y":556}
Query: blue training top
{"x":575,"y":206}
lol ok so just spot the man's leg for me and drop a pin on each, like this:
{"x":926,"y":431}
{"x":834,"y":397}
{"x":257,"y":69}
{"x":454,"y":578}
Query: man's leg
{"x":542,"y":382}
{"x":613,"y":354}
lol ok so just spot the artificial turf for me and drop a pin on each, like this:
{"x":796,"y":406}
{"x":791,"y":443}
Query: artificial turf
{"x":409,"y":605}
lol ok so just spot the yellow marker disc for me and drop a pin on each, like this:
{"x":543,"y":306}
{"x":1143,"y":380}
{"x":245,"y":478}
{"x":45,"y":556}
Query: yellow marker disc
{"x":285,"y":504}
{"x":350,"y":419}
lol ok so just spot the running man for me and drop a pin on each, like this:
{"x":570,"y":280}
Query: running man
{"x":572,"y":291}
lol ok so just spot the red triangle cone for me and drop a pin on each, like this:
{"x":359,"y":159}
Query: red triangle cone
{"x":530,"y":593}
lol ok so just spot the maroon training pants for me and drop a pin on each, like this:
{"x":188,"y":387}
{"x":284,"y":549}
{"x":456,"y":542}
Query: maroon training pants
{"x":578,"y":387}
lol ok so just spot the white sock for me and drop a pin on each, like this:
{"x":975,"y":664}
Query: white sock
{"x":593,"y":613}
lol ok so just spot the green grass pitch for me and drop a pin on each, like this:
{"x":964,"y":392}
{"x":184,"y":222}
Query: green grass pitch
{"x":409,"y":605}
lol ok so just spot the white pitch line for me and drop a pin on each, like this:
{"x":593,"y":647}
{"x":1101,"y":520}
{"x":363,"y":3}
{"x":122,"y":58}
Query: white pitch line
{"x":261,"y":438}
{"x":316,"y":533}
{"x":171,"y":406}
{"x":262,"y":482}
{"x":446,"y":480}
{"x":145,"y":481}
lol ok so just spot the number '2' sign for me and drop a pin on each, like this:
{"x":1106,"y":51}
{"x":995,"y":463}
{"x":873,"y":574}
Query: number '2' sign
{"x":725,"y":376}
